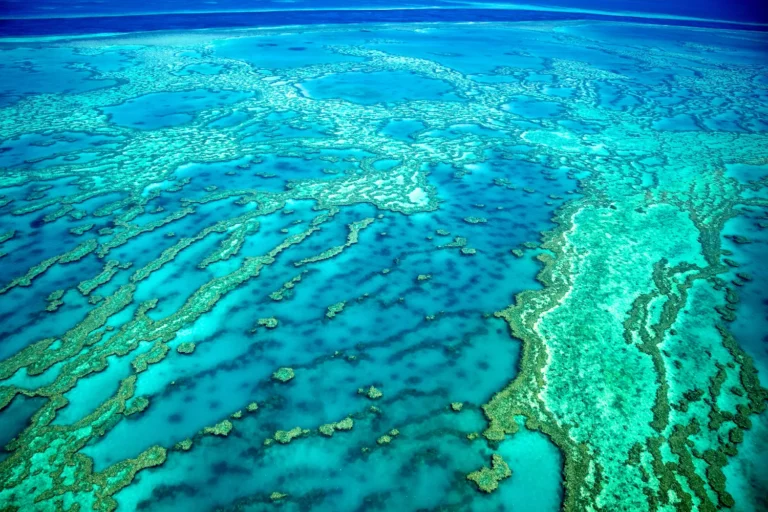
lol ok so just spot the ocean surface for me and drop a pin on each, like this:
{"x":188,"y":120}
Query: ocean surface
{"x":436,"y":256}
{"x":748,"y":11}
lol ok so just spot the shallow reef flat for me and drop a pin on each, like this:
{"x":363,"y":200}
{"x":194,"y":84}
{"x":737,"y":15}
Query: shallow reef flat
{"x":385,"y":267}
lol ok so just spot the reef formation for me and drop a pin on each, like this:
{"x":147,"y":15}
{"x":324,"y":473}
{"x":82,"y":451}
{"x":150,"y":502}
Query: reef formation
{"x":183,"y":190}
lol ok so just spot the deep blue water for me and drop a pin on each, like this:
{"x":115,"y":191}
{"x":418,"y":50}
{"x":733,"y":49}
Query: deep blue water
{"x":742,"y":10}
{"x":18,"y":17}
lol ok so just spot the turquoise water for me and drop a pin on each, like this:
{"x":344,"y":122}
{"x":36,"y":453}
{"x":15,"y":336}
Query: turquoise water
{"x":471,"y":240}
{"x":369,"y":88}
{"x":164,"y":109}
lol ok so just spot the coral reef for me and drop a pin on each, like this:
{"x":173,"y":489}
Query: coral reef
{"x":329,"y":428}
{"x":283,"y":374}
{"x":286,"y":436}
{"x":186,"y":348}
{"x":335,"y":309}
{"x":487,"y":479}
{"x":629,"y":363}
{"x":372,"y":392}
{"x":269,"y":323}
{"x":222,"y":428}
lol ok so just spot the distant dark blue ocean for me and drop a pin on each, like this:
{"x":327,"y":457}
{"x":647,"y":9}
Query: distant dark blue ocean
{"x":20,"y":17}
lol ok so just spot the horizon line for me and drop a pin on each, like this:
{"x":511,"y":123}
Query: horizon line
{"x":459,"y":6}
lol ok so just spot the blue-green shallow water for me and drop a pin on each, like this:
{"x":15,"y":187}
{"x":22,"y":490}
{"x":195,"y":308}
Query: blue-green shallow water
{"x":425,"y":343}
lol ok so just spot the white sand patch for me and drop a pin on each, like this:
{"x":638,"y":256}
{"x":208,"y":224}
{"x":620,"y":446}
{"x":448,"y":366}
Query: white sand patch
{"x":418,"y":196}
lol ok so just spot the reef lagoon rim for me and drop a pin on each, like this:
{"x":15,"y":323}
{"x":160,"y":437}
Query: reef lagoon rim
{"x":385,"y":266}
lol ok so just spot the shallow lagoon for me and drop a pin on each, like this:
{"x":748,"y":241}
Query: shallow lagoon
{"x":370,"y":88}
{"x":363,"y":205}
